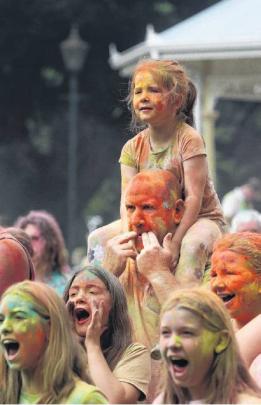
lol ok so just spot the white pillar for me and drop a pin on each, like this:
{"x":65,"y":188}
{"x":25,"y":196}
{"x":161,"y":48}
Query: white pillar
{"x":209,"y":116}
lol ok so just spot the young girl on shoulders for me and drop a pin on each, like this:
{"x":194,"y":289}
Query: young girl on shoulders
{"x":161,"y":99}
{"x":98,"y":308}
{"x":201,"y":358}
{"x":41,"y":360}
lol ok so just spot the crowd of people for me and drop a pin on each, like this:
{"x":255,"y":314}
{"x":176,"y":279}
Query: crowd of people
{"x":163,"y":305}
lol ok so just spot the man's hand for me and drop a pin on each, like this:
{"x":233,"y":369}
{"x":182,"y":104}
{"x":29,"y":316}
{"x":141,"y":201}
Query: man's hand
{"x":117,"y":251}
{"x":154,"y":262}
{"x":154,"y":258}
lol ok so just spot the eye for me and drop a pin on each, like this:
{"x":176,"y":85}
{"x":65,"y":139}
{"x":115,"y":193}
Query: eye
{"x":155,"y":89}
{"x":148,"y":207}
{"x":137,"y":91}
{"x":165,"y":333}
{"x":92,"y":292}
{"x":213,"y":274}
{"x":130,"y":207}
{"x":187,"y":333}
{"x":19,"y":316}
{"x":71,"y":295}
{"x":229,"y":271}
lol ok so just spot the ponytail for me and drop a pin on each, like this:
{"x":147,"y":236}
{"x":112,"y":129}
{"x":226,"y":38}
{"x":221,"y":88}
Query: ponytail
{"x":190,"y":101}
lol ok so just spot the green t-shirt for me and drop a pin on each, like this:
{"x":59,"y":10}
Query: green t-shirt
{"x":82,"y":393}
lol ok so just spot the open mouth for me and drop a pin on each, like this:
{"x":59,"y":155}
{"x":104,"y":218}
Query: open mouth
{"x":138,"y":241}
{"x":81,"y":315}
{"x":226,"y":297}
{"x":11,"y":347}
{"x":179,"y":363}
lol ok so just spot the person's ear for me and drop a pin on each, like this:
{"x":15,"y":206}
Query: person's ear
{"x":178,"y":211}
{"x":223,"y":341}
{"x":178,"y":102}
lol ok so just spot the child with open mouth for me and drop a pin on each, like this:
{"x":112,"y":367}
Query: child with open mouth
{"x":41,"y":360}
{"x":98,"y":307}
{"x":201,"y":358}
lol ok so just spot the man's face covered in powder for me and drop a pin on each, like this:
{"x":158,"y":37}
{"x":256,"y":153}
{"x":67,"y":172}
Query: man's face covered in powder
{"x":149,"y":209}
{"x":236,"y":283}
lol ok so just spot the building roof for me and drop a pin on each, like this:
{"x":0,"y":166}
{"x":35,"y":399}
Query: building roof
{"x":229,"y":29}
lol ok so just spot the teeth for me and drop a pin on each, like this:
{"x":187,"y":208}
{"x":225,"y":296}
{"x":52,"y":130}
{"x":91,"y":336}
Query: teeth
{"x":8,"y":341}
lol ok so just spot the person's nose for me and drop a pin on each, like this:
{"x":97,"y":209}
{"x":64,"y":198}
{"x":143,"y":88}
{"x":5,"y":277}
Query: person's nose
{"x":217,"y":283}
{"x":174,"y":342}
{"x":144,"y":96}
{"x":80,"y":298}
{"x":5,"y":326}
{"x":137,"y":219}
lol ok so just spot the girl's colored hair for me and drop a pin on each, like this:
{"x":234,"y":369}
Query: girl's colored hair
{"x":172,"y":76}
{"x":118,"y":336}
{"x":228,"y":375}
{"x":63,"y":357}
{"x":247,"y":244}
{"x":56,"y":255}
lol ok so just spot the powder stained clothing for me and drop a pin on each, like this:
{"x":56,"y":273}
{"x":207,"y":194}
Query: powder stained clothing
{"x":143,"y":305}
{"x":197,"y":243}
{"x":134,"y":368}
{"x":82,"y":393}
{"x":187,"y":144}
{"x":243,"y":398}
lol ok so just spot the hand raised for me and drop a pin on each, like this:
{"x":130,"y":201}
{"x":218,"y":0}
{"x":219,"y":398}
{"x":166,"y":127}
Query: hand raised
{"x":118,"y":250}
{"x":96,"y":327}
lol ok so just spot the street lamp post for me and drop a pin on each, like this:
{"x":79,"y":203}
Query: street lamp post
{"x":74,"y":51}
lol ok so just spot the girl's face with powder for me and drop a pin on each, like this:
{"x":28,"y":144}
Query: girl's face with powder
{"x":188,"y":349}
{"x":23,"y":332}
{"x":151,"y":101}
{"x":87,"y":292}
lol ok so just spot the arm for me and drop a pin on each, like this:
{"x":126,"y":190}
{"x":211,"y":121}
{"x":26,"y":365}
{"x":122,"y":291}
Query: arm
{"x":195,"y":173}
{"x":248,"y":339}
{"x":158,"y":399}
{"x":154,"y":262}
{"x":100,"y":372}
